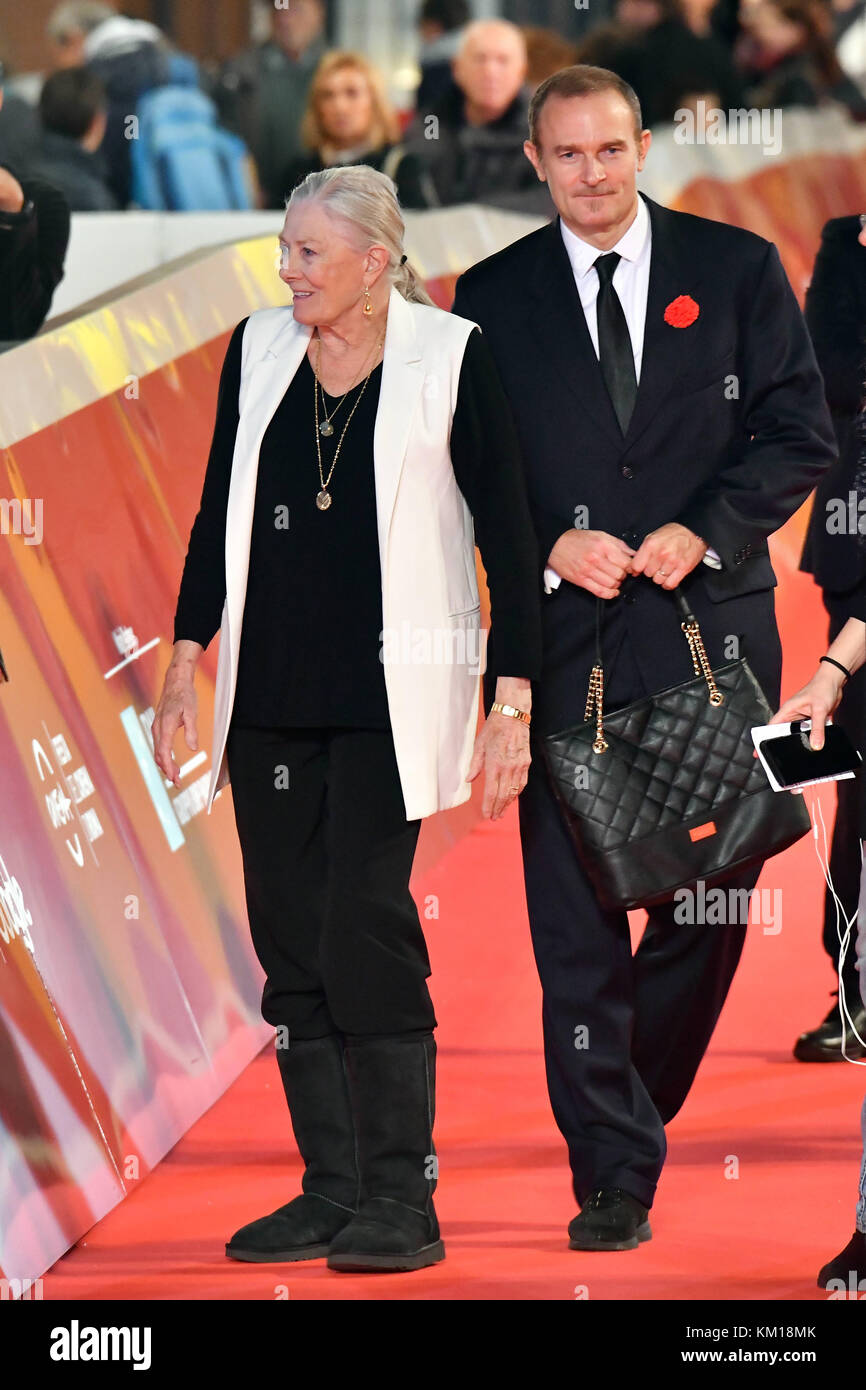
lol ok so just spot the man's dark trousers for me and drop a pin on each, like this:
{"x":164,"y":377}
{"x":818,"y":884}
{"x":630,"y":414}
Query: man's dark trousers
{"x":623,"y":1036}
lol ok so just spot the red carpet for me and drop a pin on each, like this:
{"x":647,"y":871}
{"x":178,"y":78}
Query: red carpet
{"x":790,"y":1131}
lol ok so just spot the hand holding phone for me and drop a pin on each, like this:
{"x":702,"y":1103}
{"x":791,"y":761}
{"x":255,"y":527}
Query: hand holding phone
{"x":791,"y":762}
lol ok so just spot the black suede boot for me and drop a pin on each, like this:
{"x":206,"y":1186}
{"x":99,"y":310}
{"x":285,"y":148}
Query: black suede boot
{"x":314,"y":1079}
{"x":848,"y":1267}
{"x":392,"y":1083}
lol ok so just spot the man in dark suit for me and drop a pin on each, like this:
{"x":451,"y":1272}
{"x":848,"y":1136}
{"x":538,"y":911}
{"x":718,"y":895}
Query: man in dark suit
{"x":835,"y":553}
{"x":671,"y":416}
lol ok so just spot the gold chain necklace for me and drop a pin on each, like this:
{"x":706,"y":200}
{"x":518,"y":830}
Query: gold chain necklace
{"x":323,"y":497}
{"x":326,"y":428}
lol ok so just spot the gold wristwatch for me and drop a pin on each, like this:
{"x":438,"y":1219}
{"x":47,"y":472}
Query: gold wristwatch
{"x":512,"y":712}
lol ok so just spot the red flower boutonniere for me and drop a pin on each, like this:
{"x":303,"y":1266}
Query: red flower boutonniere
{"x":682,"y":311}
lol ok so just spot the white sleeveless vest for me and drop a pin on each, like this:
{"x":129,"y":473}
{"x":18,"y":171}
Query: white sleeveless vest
{"x":431,"y":643}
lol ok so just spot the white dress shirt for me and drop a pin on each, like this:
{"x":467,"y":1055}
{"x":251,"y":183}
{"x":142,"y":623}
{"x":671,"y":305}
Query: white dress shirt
{"x":631,"y":282}
{"x":630,"y":279}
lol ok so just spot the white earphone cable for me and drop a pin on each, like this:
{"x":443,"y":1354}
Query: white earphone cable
{"x":843,"y":937}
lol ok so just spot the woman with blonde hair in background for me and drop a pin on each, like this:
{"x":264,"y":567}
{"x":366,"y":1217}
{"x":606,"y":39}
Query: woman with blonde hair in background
{"x":349,"y":120}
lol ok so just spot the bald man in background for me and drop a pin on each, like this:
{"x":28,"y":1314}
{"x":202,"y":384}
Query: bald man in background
{"x":472,"y":140}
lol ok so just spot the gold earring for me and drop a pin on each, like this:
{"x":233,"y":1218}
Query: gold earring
{"x":368,"y":303}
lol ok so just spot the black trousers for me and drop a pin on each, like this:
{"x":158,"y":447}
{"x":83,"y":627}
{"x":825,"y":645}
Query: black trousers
{"x":327,"y":854}
{"x":624,"y":1035}
{"x":848,"y":825}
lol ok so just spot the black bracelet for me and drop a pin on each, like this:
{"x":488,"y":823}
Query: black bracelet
{"x":833,"y":662}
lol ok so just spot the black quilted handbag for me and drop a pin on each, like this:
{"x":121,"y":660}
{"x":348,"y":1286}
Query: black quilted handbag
{"x":667,"y":790}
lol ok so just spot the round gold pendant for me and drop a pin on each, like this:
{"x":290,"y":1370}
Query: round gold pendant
{"x":323,"y":500}
{"x":326,"y":428}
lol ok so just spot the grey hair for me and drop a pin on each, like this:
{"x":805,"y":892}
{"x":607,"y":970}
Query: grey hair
{"x":367,"y":201}
{"x":77,"y":17}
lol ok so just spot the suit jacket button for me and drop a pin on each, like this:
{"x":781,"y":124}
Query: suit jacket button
{"x":627,"y":472}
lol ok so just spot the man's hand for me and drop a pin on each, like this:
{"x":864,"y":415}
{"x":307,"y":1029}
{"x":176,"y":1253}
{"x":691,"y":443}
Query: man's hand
{"x":669,"y":554}
{"x":11,"y":192}
{"x":593,"y":560}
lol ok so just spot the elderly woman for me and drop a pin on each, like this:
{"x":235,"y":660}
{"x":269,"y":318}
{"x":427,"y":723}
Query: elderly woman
{"x":359,"y":434}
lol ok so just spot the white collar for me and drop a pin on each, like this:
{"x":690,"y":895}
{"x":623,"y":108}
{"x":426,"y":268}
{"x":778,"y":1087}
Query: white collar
{"x":629,"y":247}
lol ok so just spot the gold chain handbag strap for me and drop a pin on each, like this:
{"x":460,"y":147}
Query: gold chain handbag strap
{"x":700,"y":661}
{"x":699,"y":658}
{"x":595,"y":701}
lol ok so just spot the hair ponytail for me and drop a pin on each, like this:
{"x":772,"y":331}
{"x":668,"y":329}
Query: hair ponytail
{"x":408,"y":282}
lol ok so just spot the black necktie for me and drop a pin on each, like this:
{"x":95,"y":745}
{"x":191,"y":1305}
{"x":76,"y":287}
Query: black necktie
{"x":614,"y":344}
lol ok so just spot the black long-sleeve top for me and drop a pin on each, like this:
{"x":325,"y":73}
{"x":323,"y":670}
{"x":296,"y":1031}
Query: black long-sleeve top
{"x":32,"y":251}
{"x":853,"y":605}
{"x":414,"y":187}
{"x":836,"y":317}
{"x":312,"y":620}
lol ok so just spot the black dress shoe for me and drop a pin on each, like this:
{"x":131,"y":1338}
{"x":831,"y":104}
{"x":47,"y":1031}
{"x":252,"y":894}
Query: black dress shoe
{"x":609,"y":1220}
{"x":824,"y":1044}
{"x":849,"y":1265}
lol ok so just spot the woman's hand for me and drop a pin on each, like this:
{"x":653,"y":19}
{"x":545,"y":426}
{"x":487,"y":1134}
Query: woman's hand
{"x":177,"y":706}
{"x":502,"y":749}
{"x":816,"y":701}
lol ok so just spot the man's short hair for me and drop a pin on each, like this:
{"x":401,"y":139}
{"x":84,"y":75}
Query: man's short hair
{"x":69,"y":100}
{"x":451,"y":14}
{"x":581,"y":81}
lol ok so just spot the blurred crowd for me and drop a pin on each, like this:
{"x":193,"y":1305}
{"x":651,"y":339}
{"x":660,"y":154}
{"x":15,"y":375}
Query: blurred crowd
{"x":289,"y":104}
{"x":122,"y":119}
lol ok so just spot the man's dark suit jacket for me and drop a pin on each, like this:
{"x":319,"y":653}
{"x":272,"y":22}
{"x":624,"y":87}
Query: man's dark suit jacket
{"x":729,"y":434}
{"x":836,"y":315}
